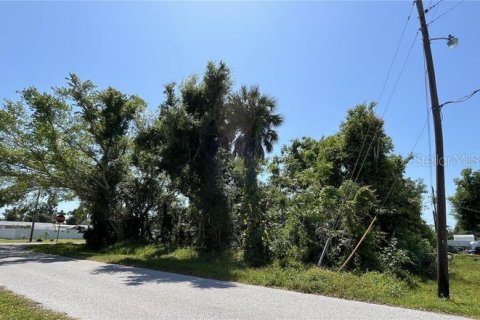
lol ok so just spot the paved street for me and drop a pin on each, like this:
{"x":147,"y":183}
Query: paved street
{"x":91,"y":290}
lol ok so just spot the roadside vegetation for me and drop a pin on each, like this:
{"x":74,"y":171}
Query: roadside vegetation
{"x":187,"y":176}
{"x":384,"y":288}
{"x":15,"y":307}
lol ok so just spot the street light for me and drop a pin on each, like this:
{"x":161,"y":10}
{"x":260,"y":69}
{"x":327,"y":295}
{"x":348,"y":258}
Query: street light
{"x":452,"y":41}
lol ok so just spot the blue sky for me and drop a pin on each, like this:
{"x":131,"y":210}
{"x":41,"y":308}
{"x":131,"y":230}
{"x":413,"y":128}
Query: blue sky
{"x":317,"y":58}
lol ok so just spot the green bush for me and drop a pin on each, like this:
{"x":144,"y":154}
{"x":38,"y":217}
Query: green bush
{"x":394,"y":260}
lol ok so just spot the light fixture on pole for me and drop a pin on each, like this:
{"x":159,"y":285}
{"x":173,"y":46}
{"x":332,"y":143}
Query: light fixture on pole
{"x":452,"y":41}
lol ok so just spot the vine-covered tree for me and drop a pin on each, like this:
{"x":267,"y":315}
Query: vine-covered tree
{"x":320,"y":194}
{"x":187,"y":143}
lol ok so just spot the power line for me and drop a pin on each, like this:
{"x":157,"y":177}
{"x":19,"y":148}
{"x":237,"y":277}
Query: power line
{"x":436,"y":9}
{"x":396,"y":53}
{"x":401,"y":72}
{"x":402,"y":35}
{"x":431,"y":7}
{"x":462,"y":99}
{"x":370,"y":226}
{"x":378,"y":128}
{"x":397,"y":178}
{"x":450,"y":9}
{"x":421,"y":132}
{"x":388,"y":104}
{"x":384,"y":84}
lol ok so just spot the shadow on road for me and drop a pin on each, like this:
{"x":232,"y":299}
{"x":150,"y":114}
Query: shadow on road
{"x":17,"y":254}
{"x":138,"y":276}
{"x":132,"y":276}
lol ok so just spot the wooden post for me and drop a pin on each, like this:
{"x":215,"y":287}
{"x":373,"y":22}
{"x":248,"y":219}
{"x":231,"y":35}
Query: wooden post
{"x":441,"y":208}
{"x":34,"y":216}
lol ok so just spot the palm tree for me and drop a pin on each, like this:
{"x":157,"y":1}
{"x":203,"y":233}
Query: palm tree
{"x":253,"y":119}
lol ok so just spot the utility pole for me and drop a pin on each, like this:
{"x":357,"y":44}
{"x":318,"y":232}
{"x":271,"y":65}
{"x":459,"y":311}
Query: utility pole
{"x":442,"y":257}
{"x":34,"y":216}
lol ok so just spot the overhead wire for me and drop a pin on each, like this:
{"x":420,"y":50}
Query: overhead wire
{"x":427,"y":124}
{"x":462,"y":99}
{"x":387,"y":105}
{"x":371,"y":143}
{"x":385,"y":83}
{"x":433,"y":6}
{"x":392,"y":186}
{"x":436,"y":9}
{"x":388,"y":102}
{"x":447,"y":11}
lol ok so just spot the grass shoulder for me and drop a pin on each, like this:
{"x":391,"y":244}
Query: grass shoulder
{"x":15,"y":307}
{"x":370,"y":287}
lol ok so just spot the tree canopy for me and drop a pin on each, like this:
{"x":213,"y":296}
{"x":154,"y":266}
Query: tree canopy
{"x":466,"y":202}
{"x":188,"y":175}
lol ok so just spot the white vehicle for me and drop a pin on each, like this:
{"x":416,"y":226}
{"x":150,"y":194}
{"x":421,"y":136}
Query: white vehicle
{"x":464,"y":237}
{"x":474,"y":245}
{"x":462,"y":242}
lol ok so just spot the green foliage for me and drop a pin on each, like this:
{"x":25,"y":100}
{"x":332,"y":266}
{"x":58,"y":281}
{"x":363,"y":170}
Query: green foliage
{"x":27,"y":208}
{"x":77,"y":216}
{"x":365,"y":146}
{"x":188,"y":176}
{"x":14,"y":214}
{"x":394,"y":260}
{"x":466,"y":202}
{"x":75,"y":140}
{"x":253,"y":121}
{"x":332,"y":188}
{"x":186,"y":142}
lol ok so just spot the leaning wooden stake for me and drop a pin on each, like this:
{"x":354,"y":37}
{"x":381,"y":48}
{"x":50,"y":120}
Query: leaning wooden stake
{"x":358,"y":244}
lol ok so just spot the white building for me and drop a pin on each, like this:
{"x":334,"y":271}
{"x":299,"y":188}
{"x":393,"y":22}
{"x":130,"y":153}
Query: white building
{"x":45,"y":231}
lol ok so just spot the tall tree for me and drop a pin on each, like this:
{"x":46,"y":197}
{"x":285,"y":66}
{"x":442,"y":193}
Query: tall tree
{"x":75,"y":140}
{"x":254,"y":120}
{"x":108,"y":116}
{"x":187,"y":141}
{"x":466,"y":202}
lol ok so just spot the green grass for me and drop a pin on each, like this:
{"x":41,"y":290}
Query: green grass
{"x":43,"y":241}
{"x":372,"y":286}
{"x":15,"y":307}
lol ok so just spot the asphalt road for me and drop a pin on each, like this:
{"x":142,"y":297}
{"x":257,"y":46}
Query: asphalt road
{"x":92,"y":290}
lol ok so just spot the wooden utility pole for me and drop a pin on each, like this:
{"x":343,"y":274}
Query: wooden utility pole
{"x":34,"y":216}
{"x":442,"y":257}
